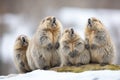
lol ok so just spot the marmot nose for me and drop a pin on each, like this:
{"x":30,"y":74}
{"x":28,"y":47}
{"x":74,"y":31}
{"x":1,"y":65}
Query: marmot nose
{"x":72,"y":31}
{"x":89,"y":21}
{"x":54,"y":19}
{"x":23,"y":39}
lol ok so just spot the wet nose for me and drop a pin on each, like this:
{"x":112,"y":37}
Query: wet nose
{"x":72,"y":31}
{"x":89,"y":21}
{"x":23,"y":39}
{"x":54,"y":19}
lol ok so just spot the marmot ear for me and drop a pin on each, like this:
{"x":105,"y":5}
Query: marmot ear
{"x":94,"y":19}
{"x":48,"y":18}
{"x":66,"y":30}
{"x":100,"y":22}
{"x":54,"y":20}
{"x":19,"y":37}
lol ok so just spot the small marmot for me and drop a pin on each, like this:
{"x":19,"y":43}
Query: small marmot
{"x":72,"y":49}
{"x":20,"y":48}
{"x":43,"y":50}
{"x":99,"y":41}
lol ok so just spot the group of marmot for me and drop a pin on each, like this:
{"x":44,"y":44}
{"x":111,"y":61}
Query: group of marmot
{"x":49,"y":47}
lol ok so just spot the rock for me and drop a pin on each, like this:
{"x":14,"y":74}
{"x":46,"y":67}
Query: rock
{"x":88,"y":67}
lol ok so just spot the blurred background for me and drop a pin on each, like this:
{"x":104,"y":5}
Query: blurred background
{"x":23,"y":17}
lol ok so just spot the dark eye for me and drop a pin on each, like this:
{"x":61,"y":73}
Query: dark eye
{"x":95,"y":20}
{"x":79,"y":43}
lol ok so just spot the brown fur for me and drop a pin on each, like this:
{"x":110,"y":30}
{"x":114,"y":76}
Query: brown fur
{"x":20,"y":48}
{"x":42,"y":52}
{"x":72,"y":49}
{"x":101,"y":46}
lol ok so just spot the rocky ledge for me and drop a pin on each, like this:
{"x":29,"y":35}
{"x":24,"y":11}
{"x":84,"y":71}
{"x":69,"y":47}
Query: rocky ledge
{"x":88,"y":67}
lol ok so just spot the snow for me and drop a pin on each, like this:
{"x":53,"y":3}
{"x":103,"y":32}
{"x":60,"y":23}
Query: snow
{"x":52,"y":75}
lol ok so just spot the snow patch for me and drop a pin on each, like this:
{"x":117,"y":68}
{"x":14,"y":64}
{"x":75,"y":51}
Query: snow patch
{"x":52,"y":75}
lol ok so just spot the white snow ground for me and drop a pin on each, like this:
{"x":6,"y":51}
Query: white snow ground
{"x":52,"y":75}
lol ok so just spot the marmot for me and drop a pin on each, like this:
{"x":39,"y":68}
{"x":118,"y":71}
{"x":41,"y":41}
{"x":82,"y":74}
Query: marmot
{"x":72,"y":49}
{"x":101,"y":46}
{"x":43,"y":50}
{"x":20,"y":48}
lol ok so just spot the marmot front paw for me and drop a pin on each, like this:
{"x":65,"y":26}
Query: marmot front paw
{"x":49,"y":46}
{"x":73,"y":53}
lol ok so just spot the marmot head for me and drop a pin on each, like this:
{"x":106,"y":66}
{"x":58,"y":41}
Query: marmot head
{"x":22,"y":41}
{"x":72,"y":42}
{"x":50,"y":23}
{"x":70,"y":34}
{"x":94,"y":24}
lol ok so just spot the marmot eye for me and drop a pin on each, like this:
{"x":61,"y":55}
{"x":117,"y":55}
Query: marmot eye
{"x":79,"y":43}
{"x":48,"y":18}
{"x":95,"y":20}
